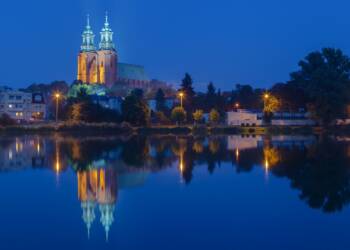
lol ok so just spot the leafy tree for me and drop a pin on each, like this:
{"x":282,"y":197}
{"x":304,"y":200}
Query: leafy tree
{"x":324,"y":78}
{"x":271,"y":105}
{"x":210,"y":97}
{"x":214,"y":116}
{"x":135,"y":109}
{"x":246,"y":96}
{"x":198,"y":116}
{"x":189,"y":94}
{"x":160,"y":101}
{"x":291,"y":96}
{"x":178,"y":115}
{"x":91,"y":112}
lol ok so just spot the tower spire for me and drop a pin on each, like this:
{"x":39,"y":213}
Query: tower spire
{"x":106,"y":36}
{"x":88,"y":37}
{"x":88,"y":20}
{"x":106,"y":19}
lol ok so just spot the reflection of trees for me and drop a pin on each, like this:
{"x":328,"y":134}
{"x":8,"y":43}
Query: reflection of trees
{"x":82,"y":152}
{"x":248,"y":158}
{"x":135,"y":151}
{"x":321,"y":173}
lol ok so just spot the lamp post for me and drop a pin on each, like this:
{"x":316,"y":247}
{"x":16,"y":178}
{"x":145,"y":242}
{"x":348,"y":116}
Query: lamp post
{"x":57,"y":97}
{"x":181,"y":94}
{"x":266,"y":97}
{"x":237,"y":105}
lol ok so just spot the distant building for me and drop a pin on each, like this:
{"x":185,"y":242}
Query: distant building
{"x":22,"y":106}
{"x":101,"y":66}
{"x":243,"y":117}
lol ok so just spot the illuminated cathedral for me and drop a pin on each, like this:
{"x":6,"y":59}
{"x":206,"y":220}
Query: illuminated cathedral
{"x":101,"y":65}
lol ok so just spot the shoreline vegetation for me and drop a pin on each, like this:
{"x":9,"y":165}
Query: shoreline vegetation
{"x":127,"y":129}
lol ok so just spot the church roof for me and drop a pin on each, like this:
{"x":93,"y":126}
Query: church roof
{"x":132,"y":72}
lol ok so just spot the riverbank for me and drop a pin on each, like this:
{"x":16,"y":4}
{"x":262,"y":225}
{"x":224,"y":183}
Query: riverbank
{"x":126,"y":129}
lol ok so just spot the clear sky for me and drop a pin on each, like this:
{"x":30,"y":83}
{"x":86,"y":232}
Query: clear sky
{"x":224,"y":41}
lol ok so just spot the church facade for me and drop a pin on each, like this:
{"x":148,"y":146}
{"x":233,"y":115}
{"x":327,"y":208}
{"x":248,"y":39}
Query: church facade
{"x":101,"y":65}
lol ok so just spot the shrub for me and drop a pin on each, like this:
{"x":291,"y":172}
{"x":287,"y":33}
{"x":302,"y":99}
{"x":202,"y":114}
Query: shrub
{"x":178,"y":114}
{"x":198,"y":116}
{"x":214,"y":116}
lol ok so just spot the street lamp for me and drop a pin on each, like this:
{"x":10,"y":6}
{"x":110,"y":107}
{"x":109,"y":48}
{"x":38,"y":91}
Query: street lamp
{"x":266,"y":97}
{"x":57,"y":97}
{"x":181,"y":94}
{"x":237,"y":105}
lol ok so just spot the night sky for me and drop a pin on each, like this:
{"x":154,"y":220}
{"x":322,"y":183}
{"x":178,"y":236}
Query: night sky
{"x":225,"y":41}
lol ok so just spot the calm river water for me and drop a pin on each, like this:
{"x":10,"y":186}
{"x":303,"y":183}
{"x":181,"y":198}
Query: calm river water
{"x":159,"y":192}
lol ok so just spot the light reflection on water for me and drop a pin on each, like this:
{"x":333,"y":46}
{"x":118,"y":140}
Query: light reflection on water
{"x":318,"y":168}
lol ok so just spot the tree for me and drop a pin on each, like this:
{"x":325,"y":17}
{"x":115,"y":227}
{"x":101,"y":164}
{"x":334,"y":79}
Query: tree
{"x":189,"y":94}
{"x":214,"y":116}
{"x":178,"y":115}
{"x":291,"y":96}
{"x":135,"y":110}
{"x":198,"y":116}
{"x":210,"y":97}
{"x":160,"y":101}
{"x":271,"y":105}
{"x":324,"y":79}
{"x":91,"y":112}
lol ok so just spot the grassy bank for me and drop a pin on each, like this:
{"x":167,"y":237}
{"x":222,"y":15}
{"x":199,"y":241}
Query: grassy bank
{"x":126,"y":129}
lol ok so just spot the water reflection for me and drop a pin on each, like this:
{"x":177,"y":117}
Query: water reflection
{"x":98,"y":187}
{"x":317,"y":167}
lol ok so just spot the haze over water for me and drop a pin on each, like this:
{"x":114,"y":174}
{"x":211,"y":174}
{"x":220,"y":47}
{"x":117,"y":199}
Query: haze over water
{"x":222,"y":192}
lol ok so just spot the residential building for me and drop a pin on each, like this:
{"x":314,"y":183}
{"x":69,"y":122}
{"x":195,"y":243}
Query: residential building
{"x":22,"y":106}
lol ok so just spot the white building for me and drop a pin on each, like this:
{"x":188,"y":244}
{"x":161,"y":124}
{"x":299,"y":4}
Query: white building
{"x":22,"y":106}
{"x":244,"y":117}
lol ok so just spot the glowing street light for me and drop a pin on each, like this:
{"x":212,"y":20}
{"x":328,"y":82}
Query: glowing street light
{"x":181,"y":94}
{"x":57,"y":97}
{"x":237,"y":105}
{"x":266,"y":97}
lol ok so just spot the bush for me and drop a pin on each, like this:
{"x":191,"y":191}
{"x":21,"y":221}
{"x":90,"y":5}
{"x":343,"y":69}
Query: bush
{"x":198,"y":116}
{"x":178,"y":114}
{"x":214,"y":116}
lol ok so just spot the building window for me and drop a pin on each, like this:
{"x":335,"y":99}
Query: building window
{"x":11,"y":97}
{"x":10,"y":106}
{"x":18,"y":97}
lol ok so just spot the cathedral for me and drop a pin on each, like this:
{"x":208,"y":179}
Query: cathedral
{"x":101,"y":65}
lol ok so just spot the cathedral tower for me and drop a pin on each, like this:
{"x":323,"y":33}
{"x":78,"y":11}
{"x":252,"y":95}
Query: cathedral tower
{"x":98,"y":66}
{"x":107,"y":56}
{"x":88,"y":58}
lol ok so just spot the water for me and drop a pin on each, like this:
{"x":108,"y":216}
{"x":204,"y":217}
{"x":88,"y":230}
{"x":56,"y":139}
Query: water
{"x":281,"y":192}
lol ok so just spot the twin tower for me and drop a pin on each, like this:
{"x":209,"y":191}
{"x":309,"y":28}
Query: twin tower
{"x":98,"y":66}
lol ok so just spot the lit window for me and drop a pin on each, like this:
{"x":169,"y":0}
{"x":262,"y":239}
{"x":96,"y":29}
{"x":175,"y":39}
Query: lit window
{"x":10,"y":106}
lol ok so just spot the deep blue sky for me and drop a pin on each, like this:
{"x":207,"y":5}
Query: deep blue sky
{"x":225,"y":41}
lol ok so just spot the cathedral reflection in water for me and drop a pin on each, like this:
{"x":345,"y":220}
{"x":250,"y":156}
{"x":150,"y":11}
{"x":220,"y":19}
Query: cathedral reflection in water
{"x":97,"y":189}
